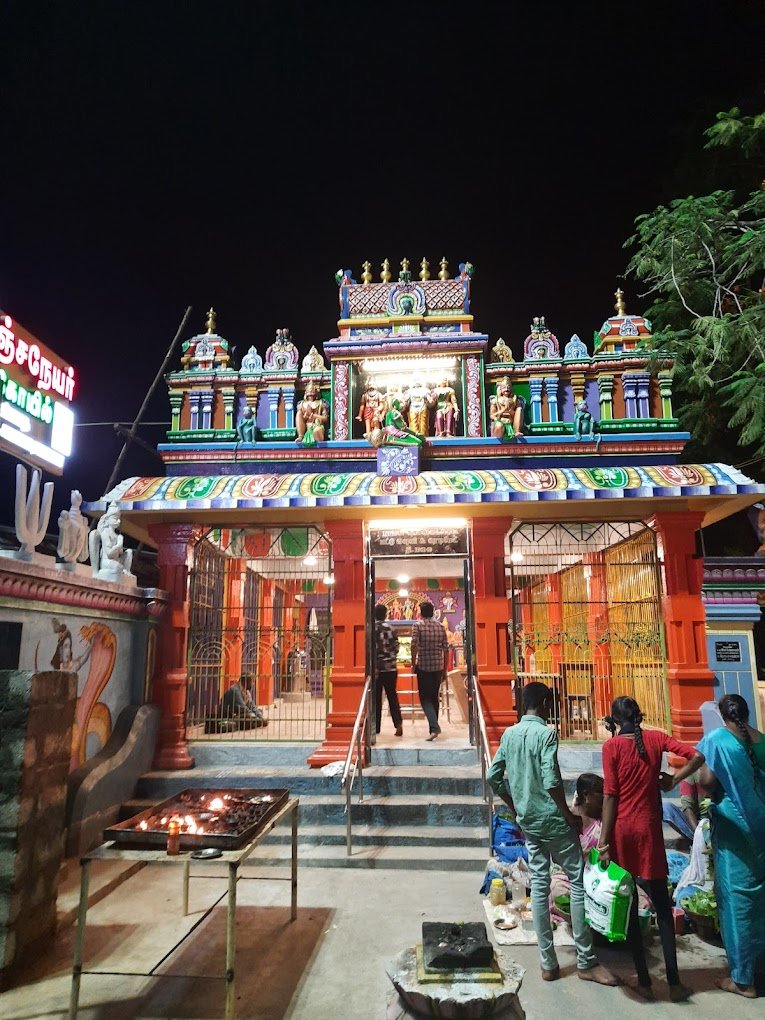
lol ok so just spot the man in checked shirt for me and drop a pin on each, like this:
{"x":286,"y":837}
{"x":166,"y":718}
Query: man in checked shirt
{"x":386,"y":650}
{"x":429,"y":648}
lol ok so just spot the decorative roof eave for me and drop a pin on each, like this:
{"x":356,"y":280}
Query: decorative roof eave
{"x":714,"y":489}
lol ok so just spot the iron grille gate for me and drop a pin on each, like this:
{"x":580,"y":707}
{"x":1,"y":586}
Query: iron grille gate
{"x":260,"y":618}
{"x":586,"y":620}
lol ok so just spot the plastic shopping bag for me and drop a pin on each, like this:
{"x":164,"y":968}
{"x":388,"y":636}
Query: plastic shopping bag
{"x":507,"y":840}
{"x":608,"y":896}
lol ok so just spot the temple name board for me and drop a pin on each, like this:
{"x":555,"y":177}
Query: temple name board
{"x":36,"y":392}
{"x":402,"y":543}
{"x":728,"y":651}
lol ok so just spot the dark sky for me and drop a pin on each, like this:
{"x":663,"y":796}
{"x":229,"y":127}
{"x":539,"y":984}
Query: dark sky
{"x":164,"y":154}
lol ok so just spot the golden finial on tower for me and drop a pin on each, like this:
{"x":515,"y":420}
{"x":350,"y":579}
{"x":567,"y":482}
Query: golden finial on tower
{"x":444,"y":274}
{"x":211,"y":322}
{"x":404,"y":264}
{"x":385,"y":274}
{"x":424,"y":270}
{"x":366,"y":276}
{"x":620,"y":306}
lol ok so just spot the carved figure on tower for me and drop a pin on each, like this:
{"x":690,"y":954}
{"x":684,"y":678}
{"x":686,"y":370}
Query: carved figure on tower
{"x":420,"y":399}
{"x":109,"y":558}
{"x":506,"y":412}
{"x":447,"y":411}
{"x":393,"y":431}
{"x":311,"y":417}
{"x":584,"y":423}
{"x":73,"y":532}
{"x":372,"y":408}
{"x":245,"y":427}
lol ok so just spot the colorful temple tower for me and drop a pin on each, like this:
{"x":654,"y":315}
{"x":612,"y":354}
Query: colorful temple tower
{"x":539,"y":503}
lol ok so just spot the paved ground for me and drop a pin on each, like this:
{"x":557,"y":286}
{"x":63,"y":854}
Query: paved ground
{"x":328,"y":965}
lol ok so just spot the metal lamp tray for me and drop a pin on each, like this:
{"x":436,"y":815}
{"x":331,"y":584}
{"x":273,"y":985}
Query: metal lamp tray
{"x":248,"y":811}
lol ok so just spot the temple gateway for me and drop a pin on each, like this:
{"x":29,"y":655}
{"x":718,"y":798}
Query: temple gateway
{"x":538,"y":504}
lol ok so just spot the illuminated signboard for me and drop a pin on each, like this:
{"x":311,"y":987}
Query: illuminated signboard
{"x":36,"y":392}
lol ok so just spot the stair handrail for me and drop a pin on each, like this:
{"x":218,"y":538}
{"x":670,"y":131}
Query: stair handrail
{"x":354,"y":760}
{"x":484,"y":757}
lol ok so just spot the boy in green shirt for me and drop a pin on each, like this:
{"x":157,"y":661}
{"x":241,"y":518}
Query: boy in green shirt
{"x":528,"y":758}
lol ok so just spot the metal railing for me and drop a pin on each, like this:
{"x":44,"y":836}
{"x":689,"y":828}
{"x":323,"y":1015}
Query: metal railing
{"x":484,"y":756}
{"x":354,"y":761}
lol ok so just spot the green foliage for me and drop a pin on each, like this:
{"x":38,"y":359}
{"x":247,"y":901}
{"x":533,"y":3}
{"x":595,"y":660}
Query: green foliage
{"x":703,"y":259}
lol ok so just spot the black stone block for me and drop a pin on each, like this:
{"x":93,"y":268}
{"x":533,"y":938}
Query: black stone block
{"x":456,"y":946}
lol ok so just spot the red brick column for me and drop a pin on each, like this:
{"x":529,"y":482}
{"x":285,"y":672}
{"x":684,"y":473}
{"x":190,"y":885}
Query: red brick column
{"x":688,"y":673}
{"x":174,"y":548}
{"x":349,"y":639}
{"x":494,"y":672}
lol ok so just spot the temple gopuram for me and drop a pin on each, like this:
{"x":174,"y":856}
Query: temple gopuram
{"x":538,"y":503}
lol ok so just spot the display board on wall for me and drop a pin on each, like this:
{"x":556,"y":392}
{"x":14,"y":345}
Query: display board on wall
{"x":402,"y":542}
{"x":36,"y":396}
{"x":728,"y":651}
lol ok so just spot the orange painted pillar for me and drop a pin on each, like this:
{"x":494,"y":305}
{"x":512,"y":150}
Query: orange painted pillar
{"x":174,"y":549}
{"x":597,"y":629}
{"x":494,"y":671}
{"x":688,"y":673}
{"x":349,"y":639}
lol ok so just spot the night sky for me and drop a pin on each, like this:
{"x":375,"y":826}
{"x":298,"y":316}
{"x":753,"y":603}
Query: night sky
{"x":158,"y":155}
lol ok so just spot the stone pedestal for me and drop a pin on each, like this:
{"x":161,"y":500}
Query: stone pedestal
{"x":37,"y":711}
{"x":454,"y":999}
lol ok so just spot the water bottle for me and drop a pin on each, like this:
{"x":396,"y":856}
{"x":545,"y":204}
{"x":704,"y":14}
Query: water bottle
{"x":518,"y":893}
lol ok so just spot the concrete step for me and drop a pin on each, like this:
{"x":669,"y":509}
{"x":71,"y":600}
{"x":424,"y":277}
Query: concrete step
{"x":420,"y":858}
{"x":394,"y":835}
{"x":240,"y":752}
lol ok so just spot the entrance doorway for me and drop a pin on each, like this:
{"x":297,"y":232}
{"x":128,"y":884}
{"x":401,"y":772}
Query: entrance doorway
{"x":406,"y":566}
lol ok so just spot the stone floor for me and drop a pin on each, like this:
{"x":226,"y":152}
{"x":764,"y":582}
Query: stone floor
{"x":328,"y":965}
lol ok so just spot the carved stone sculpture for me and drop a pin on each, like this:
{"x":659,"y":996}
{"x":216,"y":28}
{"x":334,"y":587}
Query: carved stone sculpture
{"x":312,"y":417}
{"x":32,"y":514}
{"x":584,"y":423}
{"x":246,"y":426}
{"x":73,"y":533}
{"x":108,"y":557}
{"x":506,"y":412}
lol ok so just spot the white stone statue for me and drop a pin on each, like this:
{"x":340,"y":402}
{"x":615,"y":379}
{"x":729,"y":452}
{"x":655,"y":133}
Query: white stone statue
{"x":108,"y":557}
{"x":32,"y":515}
{"x":73,"y":533}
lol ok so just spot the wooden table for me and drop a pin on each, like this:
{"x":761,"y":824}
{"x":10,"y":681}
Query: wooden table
{"x":232,"y":858}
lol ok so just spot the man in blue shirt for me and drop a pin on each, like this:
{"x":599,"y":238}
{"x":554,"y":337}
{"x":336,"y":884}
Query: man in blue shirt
{"x":527,"y":759}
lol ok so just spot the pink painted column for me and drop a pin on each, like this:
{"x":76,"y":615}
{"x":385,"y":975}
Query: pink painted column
{"x":175,"y":543}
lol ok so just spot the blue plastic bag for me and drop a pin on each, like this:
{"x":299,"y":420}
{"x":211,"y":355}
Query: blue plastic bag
{"x":507,"y":841}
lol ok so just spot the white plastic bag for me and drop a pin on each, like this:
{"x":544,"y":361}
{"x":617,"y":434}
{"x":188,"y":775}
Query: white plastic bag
{"x":608,"y":896}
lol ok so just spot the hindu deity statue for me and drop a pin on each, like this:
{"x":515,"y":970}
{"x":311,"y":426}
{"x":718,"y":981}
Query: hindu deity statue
{"x":311,"y":417}
{"x":246,"y":426}
{"x":109,"y":558}
{"x":584,"y":423}
{"x":372,"y":408}
{"x":506,"y":412}
{"x":393,"y":431}
{"x":447,"y":411}
{"x":420,"y":399}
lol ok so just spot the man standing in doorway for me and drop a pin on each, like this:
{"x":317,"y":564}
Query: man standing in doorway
{"x":386,"y":651}
{"x":429,"y":648}
{"x":528,"y":758}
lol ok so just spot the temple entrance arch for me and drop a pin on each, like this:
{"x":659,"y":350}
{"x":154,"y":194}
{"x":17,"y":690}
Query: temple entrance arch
{"x":587,"y":619}
{"x":261,"y":609}
{"x":407,"y":564}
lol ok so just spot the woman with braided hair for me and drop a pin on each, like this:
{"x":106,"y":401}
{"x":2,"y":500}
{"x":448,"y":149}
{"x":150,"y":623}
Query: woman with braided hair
{"x":632,"y":826}
{"x":735,"y":779}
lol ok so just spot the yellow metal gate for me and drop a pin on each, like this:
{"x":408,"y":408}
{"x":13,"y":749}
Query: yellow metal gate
{"x":586,"y":619}
{"x":260,"y":634}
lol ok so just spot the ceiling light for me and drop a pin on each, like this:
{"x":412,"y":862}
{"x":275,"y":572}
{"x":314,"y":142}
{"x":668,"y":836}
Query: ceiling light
{"x":310,"y":560}
{"x":516,"y":557}
{"x":329,"y":580}
{"x":402,"y":578}
{"x":403,"y":592}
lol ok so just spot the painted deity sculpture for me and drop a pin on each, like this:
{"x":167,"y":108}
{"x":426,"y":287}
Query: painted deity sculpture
{"x":246,"y":427}
{"x":393,"y":431}
{"x":372,"y":409}
{"x":584,"y":423}
{"x":73,"y":533}
{"x":506,"y":412}
{"x":311,"y":417}
{"x":420,"y":399}
{"x":447,"y":411}
{"x":109,"y":558}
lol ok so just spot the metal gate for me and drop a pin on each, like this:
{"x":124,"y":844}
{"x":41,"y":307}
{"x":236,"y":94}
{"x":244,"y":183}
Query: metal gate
{"x":260,"y":635}
{"x":587,"y":621}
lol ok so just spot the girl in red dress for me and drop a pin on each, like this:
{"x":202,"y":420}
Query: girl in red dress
{"x":632,"y":826}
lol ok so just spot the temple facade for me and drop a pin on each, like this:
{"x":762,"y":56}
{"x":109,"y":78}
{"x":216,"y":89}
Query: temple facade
{"x":538,"y":503}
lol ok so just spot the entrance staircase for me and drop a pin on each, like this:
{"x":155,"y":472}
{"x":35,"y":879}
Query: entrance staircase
{"x":423,"y":807}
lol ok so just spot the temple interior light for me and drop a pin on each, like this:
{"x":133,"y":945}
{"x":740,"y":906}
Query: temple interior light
{"x":400,"y":371}
{"x":403,"y":578}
